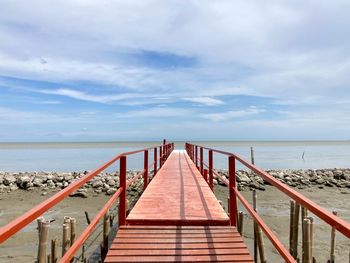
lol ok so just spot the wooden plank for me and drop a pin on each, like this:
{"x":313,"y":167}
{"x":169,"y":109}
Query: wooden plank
{"x":178,"y":219}
{"x":176,"y":252}
{"x":186,"y":197}
{"x":182,"y":258}
{"x":232,"y":245}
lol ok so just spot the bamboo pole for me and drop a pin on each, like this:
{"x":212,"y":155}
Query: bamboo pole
{"x":44,"y":230}
{"x":261,"y":245}
{"x":105,"y":234}
{"x":296,"y":230}
{"x":39,"y":221}
{"x":73,"y":224}
{"x":252,"y":155}
{"x":291,"y":226}
{"x":312,"y":225}
{"x":240,"y":222}
{"x":54,"y":258}
{"x":333,"y":232}
{"x":65,"y":238}
{"x":307,"y":258}
{"x":255,"y":228}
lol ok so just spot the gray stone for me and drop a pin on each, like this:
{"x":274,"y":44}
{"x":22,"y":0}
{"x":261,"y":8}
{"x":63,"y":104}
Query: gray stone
{"x":79,"y":193}
{"x":111,"y":191}
{"x":111,"y":182}
{"x":97,"y":184}
{"x":320,"y":181}
{"x":38,"y":181}
{"x":9,"y":179}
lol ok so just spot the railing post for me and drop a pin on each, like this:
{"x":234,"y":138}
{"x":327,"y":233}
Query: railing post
{"x":210,"y":154}
{"x":155,"y":161}
{"x":122,"y":197}
{"x":160,"y":157}
{"x":145,"y":168}
{"x":196,"y":156}
{"x":205,"y":175}
{"x":201,"y":161}
{"x":232,"y":184}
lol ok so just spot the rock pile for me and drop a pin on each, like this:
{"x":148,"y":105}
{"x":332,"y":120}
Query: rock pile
{"x":294,"y":178}
{"x":107,"y":183}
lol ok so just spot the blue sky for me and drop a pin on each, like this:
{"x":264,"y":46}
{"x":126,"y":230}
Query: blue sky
{"x":184,"y":70}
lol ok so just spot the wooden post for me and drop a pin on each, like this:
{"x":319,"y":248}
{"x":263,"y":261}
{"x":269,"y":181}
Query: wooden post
{"x":73,"y":224}
{"x":291,"y":226}
{"x":255,"y":229}
{"x":44,"y":230}
{"x":39,"y":221}
{"x":240,"y":222}
{"x":306,"y":242}
{"x":155,"y":161}
{"x":311,"y":236}
{"x":210,"y":155}
{"x":252,"y":155}
{"x":196,"y":156}
{"x":333,"y":232}
{"x":105,"y":234}
{"x":122,"y":197}
{"x":296,"y":229}
{"x":54,"y":257}
{"x":145,"y":168}
{"x":232,"y":184}
{"x":261,"y":245}
{"x":65,"y":239}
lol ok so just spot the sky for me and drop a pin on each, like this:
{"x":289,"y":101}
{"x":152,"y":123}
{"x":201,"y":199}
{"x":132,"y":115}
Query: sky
{"x":84,"y":70}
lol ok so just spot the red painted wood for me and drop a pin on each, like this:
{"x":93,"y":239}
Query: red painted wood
{"x":178,"y":244}
{"x":178,"y":195}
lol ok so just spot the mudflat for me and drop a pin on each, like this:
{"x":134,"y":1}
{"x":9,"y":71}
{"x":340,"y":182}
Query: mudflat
{"x":273,"y":206}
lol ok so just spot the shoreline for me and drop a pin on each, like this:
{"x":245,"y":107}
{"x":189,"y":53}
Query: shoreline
{"x":108,"y":183}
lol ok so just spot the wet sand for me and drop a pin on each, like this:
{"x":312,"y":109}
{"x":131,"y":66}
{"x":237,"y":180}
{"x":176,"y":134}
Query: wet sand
{"x":273,"y":207}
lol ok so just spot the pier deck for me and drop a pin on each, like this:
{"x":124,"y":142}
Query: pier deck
{"x":178,"y":219}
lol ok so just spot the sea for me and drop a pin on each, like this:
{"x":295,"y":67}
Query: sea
{"x":87,"y":156}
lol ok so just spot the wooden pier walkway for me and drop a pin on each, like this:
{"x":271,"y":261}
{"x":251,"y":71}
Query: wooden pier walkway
{"x":178,"y":219}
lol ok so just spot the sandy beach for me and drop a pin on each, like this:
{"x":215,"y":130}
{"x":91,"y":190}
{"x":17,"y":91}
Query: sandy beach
{"x":273,"y":206}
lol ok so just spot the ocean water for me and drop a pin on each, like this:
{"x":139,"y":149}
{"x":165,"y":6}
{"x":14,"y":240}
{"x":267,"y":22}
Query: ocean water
{"x":86,"y":156}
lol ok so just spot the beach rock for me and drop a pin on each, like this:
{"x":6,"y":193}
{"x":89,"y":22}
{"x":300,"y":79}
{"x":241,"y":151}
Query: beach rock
{"x":38,"y":181}
{"x":97,"y":184}
{"x":320,"y":181}
{"x":111,"y":191}
{"x":23,"y":181}
{"x":9,"y":179}
{"x":80,"y":193}
{"x":243,"y":178}
{"x":111,"y":182}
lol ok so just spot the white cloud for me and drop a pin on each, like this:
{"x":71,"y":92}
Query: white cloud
{"x":205,"y":101}
{"x":79,"y":95}
{"x":223,"y":116}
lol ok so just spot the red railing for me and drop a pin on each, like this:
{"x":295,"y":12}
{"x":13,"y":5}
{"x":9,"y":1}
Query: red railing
{"x":16,"y":225}
{"x":331,"y":219}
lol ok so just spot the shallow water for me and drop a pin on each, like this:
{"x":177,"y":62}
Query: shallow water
{"x":64,"y":157}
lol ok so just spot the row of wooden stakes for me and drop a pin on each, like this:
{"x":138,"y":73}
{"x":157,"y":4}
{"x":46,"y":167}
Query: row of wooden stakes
{"x":68,"y":238}
{"x":307,"y":224}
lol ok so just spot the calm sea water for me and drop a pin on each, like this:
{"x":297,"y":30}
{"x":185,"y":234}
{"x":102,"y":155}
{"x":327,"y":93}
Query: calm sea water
{"x":16,"y":157}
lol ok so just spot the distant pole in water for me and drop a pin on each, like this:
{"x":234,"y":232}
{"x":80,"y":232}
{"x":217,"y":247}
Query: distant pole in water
{"x":303,"y":156}
{"x":252,"y":155}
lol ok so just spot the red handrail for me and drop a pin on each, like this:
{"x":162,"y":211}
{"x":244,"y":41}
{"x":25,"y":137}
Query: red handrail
{"x":341,"y":225}
{"x":20,"y":222}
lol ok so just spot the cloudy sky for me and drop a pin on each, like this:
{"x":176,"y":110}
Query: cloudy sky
{"x":85,"y":70}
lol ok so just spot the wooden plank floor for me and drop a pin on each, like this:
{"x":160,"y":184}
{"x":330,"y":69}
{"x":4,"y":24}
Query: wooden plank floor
{"x":178,"y":244}
{"x":178,"y":195}
{"x":178,"y":219}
